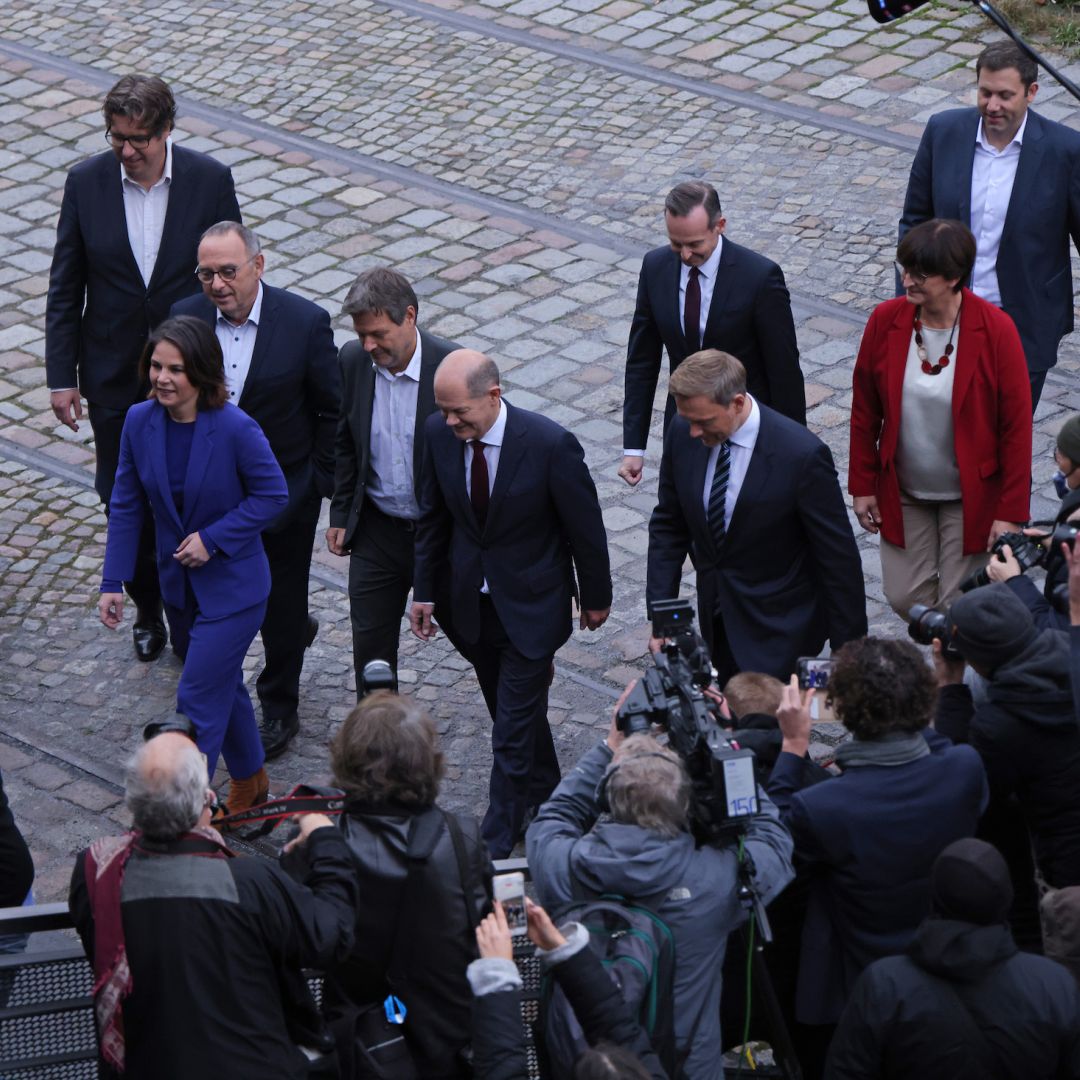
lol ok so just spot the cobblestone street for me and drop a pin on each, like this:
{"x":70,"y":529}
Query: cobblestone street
{"x":510,"y":157}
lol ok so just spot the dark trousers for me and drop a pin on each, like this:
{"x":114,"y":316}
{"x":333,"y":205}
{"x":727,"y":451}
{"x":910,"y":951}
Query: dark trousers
{"x":284,"y":629}
{"x":526,"y":769}
{"x":211,"y":692}
{"x":1038,"y":378}
{"x":380,"y":576}
{"x":107,"y":424}
{"x":720,"y":651}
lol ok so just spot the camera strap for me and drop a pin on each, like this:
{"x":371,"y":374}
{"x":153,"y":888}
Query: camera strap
{"x":303,"y":799}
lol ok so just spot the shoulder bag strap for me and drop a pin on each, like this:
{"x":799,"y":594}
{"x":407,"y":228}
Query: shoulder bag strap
{"x":468,"y":879}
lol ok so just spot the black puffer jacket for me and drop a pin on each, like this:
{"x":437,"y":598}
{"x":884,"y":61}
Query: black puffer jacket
{"x":1028,"y":737}
{"x":442,"y":941}
{"x":963,"y":1005}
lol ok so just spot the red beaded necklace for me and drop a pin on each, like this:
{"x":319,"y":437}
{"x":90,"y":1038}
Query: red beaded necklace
{"x":920,"y":348}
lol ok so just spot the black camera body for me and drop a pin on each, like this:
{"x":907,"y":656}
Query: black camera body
{"x":377,"y":675}
{"x":926,"y":623}
{"x":724,"y":789}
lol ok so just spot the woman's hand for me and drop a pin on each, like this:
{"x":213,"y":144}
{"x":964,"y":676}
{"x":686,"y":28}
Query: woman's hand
{"x":192,"y":551}
{"x":493,"y":935}
{"x":866,"y":510}
{"x":542,"y":931}
{"x":997,"y":528}
{"x":110,"y":607}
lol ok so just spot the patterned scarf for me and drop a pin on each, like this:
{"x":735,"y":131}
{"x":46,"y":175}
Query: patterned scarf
{"x":105,"y":862}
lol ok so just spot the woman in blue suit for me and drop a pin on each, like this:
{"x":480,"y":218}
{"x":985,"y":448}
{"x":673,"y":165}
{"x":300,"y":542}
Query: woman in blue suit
{"x":207,"y":473}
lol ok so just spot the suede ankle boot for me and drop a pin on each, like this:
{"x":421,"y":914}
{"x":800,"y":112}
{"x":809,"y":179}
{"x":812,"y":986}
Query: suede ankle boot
{"x":248,"y":792}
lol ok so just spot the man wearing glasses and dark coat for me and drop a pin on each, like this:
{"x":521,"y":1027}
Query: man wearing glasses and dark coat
{"x":125,"y":253}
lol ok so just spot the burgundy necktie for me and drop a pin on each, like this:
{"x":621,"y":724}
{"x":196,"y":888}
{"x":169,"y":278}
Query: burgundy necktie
{"x":692,"y":312}
{"x":479,"y":493}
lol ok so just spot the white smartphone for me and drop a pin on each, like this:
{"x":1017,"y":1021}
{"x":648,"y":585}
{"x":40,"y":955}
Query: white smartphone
{"x":510,"y":892}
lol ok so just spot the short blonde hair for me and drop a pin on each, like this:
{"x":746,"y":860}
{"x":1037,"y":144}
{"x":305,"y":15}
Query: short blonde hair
{"x":710,"y":373}
{"x":751,"y":692}
{"x":648,"y":787}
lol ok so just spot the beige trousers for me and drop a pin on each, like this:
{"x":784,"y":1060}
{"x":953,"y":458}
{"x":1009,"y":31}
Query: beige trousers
{"x":930,"y":566}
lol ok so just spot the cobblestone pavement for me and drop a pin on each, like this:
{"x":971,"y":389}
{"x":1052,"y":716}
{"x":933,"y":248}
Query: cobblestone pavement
{"x":510,"y":158}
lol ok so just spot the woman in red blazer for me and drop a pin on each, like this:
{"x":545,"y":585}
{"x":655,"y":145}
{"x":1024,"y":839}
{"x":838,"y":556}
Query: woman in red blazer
{"x":940,"y":422}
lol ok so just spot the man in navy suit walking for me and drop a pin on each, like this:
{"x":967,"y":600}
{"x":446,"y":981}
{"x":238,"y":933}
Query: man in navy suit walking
{"x":753,"y":496}
{"x":125,"y":251}
{"x":508,"y":513}
{"x":704,"y":291}
{"x":1014,"y":177}
{"x":281,"y":369}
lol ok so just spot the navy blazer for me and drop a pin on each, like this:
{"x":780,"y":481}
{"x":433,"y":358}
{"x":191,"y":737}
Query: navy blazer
{"x":291,"y":390}
{"x":353,"y":445}
{"x":1033,"y":265}
{"x":543,"y":521}
{"x":98,"y":349}
{"x":232,"y":489}
{"x":749,"y":317}
{"x":869,"y":838}
{"x":788,"y":574}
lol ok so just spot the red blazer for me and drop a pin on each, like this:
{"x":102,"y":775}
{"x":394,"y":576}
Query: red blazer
{"x":991,"y":408}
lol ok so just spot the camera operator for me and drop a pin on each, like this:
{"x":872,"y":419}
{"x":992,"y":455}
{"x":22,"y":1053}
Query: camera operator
{"x":1025,"y":730}
{"x":1047,"y":607}
{"x":644,"y":851}
{"x":871,"y":834}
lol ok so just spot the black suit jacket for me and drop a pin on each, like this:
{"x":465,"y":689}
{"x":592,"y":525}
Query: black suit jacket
{"x":291,"y":390}
{"x":750,"y":317}
{"x":1033,"y":265}
{"x":788,"y":574}
{"x":353,"y":444}
{"x":543,"y":521}
{"x":98,"y":348}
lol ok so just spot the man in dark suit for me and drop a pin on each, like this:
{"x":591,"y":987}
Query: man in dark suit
{"x":753,"y":496}
{"x":508,"y":512}
{"x":281,"y":369}
{"x":704,"y":291}
{"x":387,"y":386}
{"x":125,"y":252}
{"x":1014,"y":178}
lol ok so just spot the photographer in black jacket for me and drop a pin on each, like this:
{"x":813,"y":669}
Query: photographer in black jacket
{"x":1025,"y":729}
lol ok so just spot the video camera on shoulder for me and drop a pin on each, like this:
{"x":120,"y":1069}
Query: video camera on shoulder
{"x":670,"y":694}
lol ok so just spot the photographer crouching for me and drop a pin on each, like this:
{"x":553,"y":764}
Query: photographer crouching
{"x":623,"y":823}
{"x":1025,"y":729}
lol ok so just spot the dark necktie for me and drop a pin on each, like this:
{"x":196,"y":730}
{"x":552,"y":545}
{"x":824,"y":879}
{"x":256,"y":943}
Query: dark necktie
{"x":692,"y":311}
{"x":478,"y":484}
{"x":718,"y":492}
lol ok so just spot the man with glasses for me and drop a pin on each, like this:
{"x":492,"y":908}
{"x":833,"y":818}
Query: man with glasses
{"x":281,"y":368}
{"x":125,"y":247}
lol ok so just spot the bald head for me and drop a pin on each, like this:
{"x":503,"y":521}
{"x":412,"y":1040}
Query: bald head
{"x":166,"y":786}
{"x":467,"y":393}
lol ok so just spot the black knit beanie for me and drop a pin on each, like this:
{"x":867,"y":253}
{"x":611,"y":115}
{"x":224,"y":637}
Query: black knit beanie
{"x":991,"y":625}
{"x":970,"y":882}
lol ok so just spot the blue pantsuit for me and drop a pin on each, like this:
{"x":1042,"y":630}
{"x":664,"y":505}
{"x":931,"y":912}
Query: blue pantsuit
{"x":232,"y":487}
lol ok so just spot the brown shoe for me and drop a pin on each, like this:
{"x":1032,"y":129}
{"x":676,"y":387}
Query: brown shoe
{"x":243,"y":794}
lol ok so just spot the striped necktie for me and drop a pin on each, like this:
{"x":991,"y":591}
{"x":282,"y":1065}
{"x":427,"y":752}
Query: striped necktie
{"x":718,"y":492}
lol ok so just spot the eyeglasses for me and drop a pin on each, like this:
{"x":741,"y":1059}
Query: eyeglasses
{"x":227,"y":273}
{"x":901,"y":270}
{"x":138,"y":142}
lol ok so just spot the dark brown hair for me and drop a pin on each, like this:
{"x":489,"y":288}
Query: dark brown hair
{"x":684,"y":198}
{"x":1005,"y":54}
{"x":939,"y":246}
{"x":879,"y":687}
{"x":199,"y":347}
{"x":387,"y":751}
{"x":144,"y":99}
{"x":381,"y":291}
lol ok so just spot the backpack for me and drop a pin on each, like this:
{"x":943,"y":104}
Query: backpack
{"x":637,"y":949}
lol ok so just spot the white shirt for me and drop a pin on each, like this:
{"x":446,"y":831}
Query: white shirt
{"x":492,"y":441}
{"x":706,"y":283}
{"x":925,"y":451}
{"x":237,"y":345}
{"x":393,"y":432}
{"x":145,"y":214}
{"x":992,"y":174}
{"x":741,"y":448}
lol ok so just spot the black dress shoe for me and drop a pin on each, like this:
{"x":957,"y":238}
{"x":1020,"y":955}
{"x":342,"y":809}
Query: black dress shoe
{"x":149,"y":635}
{"x":276,"y":734}
{"x":312,"y":630}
